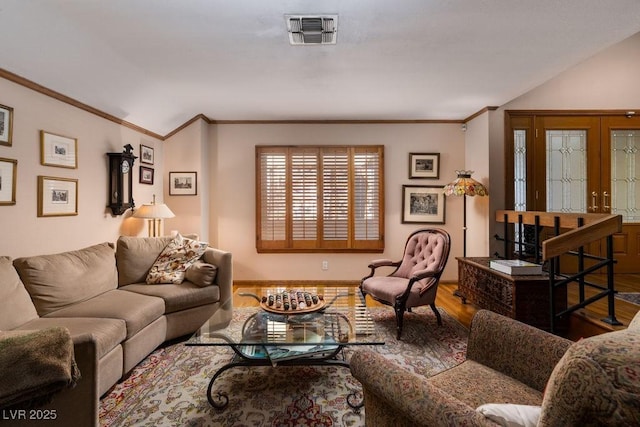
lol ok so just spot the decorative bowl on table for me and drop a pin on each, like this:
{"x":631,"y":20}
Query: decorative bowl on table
{"x":292,"y":302}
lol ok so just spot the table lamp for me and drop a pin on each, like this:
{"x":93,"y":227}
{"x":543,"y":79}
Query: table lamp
{"x":154,"y":212}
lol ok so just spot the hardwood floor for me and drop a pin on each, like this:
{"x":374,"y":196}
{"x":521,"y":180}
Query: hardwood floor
{"x":585,"y":322}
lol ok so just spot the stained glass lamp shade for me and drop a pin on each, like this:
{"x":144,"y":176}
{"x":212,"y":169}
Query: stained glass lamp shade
{"x":464,"y":185}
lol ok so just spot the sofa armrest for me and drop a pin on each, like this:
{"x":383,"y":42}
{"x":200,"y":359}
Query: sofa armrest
{"x":518,"y":350}
{"x":75,"y":406}
{"x":396,"y":397}
{"x":224,"y":279}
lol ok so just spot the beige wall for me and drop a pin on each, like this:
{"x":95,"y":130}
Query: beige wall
{"x":608,"y":80}
{"x":23,"y":233}
{"x":223,"y":212}
{"x":477,"y":152}
{"x":188,"y":151}
{"x":236,"y":193}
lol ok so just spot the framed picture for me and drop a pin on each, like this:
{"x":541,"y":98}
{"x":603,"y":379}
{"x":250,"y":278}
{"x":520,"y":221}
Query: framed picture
{"x":183,"y":184}
{"x":6,"y":125}
{"x":424,"y":165}
{"x":57,"y":196}
{"x":146,"y":175}
{"x":8,"y":176}
{"x":57,"y":150}
{"x":146,"y":155}
{"x":423,"y":204}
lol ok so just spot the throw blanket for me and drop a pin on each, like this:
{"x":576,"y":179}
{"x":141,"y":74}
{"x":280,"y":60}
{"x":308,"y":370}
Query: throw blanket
{"x":34,"y":365}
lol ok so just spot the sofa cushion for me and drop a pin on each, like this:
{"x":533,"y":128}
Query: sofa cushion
{"x":136,"y":310}
{"x":136,"y":255}
{"x":17,"y":307}
{"x":201,"y":273}
{"x":597,"y":382}
{"x":476,"y":384}
{"x":173,"y":261}
{"x":60,"y":280}
{"x":108,"y":333}
{"x":178,"y":296}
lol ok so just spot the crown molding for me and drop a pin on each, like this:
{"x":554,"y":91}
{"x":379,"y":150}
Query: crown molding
{"x":476,"y":114}
{"x":8,"y":75}
{"x":333,"y":121}
{"x":187,"y":124}
{"x":628,"y":112}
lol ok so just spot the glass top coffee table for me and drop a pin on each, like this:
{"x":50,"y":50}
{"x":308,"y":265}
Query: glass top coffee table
{"x":270,"y":329}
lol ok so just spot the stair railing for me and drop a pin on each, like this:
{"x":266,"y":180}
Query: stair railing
{"x":572,"y":233}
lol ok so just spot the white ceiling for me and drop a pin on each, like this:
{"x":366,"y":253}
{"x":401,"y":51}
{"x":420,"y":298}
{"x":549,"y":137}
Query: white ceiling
{"x":158,"y":63}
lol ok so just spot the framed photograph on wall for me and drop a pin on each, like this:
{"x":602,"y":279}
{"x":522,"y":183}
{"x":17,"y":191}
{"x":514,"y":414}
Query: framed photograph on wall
{"x":183,"y":183}
{"x":146,"y":175}
{"x":146,"y":154}
{"x":57,"y":150}
{"x":57,"y":196}
{"x":423,"y":204}
{"x":6,"y":125}
{"x":8,"y":175}
{"x":424,"y":165}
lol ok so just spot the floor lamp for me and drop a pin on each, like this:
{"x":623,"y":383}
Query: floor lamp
{"x":465,"y":186}
{"x":154,"y":212}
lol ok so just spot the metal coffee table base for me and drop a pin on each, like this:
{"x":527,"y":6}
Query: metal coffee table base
{"x":220,"y":399}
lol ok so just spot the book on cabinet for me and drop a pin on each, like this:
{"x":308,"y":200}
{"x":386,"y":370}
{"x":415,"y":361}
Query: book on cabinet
{"x":516,"y":267}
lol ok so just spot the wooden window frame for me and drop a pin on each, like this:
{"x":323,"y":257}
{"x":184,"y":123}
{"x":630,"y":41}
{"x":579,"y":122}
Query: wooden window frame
{"x":348,"y":234}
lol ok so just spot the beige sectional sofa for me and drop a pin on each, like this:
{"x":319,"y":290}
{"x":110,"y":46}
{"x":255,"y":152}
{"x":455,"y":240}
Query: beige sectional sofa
{"x":115,"y":319}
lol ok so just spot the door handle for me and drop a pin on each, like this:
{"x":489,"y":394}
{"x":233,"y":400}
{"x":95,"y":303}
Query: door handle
{"x":594,"y":201}
{"x":605,"y":202}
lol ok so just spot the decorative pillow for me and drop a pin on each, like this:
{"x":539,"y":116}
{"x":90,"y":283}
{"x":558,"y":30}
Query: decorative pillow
{"x":510,"y":415}
{"x":174,"y":260}
{"x":201,"y":273}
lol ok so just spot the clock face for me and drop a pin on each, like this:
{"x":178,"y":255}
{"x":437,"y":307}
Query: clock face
{"x":125,"y":166}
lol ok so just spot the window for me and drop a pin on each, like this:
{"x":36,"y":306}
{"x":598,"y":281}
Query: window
{"x":320,"y":199}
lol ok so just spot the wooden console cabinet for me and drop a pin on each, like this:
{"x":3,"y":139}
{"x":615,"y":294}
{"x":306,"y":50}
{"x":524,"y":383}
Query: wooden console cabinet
{"x":524,"y":298}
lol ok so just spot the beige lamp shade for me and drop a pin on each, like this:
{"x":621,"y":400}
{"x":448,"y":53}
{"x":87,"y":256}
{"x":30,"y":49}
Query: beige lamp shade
{"x":154,"y":212}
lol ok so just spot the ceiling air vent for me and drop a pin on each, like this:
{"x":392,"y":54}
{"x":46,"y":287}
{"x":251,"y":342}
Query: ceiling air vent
{"x":312,"y":29}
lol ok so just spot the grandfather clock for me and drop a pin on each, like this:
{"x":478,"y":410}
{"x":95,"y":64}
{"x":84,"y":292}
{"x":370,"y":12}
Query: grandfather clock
{"x":121,"y":180}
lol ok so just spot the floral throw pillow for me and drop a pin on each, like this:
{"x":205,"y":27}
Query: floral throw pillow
{"x":173,"y":261}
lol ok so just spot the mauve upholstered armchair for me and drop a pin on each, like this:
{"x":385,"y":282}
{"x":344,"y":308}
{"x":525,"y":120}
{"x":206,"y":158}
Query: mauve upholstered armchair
{"x":414,"y":282}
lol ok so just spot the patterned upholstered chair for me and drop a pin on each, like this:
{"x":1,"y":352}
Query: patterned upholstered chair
{"x":592,"y":382}
{"x":414,"y":282}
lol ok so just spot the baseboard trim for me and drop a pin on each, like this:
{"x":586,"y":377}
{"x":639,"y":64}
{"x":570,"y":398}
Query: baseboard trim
{"x":293,"y":283}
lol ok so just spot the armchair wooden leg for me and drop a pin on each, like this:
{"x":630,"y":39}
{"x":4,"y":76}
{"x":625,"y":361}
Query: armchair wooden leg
{"x":399,"y":317}
{"x":437,"y":313}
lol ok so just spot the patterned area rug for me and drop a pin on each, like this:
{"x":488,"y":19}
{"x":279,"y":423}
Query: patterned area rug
{"x":632,"y":297}
{"x":169,"y":387}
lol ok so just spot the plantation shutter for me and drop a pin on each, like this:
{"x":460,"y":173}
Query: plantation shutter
{"x":304,"y":197}
{"x":335,"y":197}
{"x":368,"y":202}
{"x":319,"y":199}
{"x":272,"y":203}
